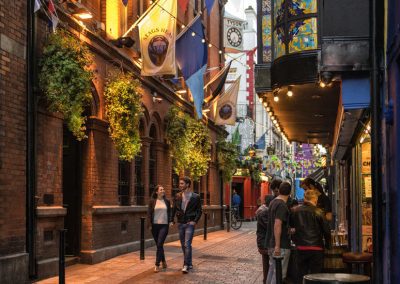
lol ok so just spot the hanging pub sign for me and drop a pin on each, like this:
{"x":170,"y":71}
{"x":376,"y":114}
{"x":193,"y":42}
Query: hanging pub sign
{"x":233,"y":34}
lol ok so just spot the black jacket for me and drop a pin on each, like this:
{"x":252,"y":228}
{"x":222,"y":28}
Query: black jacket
{"x":193,"y":209}
{"x":262,"y":224}
{"x":311,"y":226}
{"x":150,"y":210}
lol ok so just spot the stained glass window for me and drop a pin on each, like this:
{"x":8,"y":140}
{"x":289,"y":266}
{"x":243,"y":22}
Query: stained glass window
{"x":303,"y":35}
{"x":266,"y":31}
{"x":279,"y":42}
{"x":302,"y":7}
{"x":295,"y":26}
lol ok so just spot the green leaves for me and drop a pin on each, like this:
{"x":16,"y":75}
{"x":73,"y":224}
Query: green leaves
{"x":227,"y":156}
{"x":124,"y":110}
{"x":65,"y":79}
{"x":189,"y":142}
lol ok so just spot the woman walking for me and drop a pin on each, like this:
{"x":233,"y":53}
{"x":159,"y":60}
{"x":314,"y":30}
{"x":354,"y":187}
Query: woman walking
{"x":159,"y":215}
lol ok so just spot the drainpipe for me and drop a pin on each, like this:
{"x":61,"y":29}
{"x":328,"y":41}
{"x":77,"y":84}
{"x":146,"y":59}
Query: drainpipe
{"x":30,"y":143}
{"x":376,"y":24}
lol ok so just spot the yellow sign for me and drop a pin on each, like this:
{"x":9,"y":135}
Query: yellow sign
{"x":366,"y":158}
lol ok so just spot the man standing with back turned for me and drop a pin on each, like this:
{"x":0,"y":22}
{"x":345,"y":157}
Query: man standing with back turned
{"x":187,"y":207}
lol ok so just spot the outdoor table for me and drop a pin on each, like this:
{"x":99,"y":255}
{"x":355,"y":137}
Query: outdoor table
{"x":335,"y":278}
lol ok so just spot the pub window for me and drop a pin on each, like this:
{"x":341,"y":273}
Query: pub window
{"x":152,"y":161}
{"x":116,"y":18}
{"x":124,"y":170}
{"x":139,"y":186}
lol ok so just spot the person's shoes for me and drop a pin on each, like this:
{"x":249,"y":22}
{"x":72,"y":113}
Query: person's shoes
{"x":190,"y":267}
{"x":164,"y":264}
{"x":156,"y":268}
{"x":185,"y":269}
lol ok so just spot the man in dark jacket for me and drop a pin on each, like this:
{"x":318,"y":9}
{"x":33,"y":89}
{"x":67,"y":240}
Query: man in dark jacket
{"x":262,"y":241}
{"x":188,"y":210}
{"x":311,"y":229}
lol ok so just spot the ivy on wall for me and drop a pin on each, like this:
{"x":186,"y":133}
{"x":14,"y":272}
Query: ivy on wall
{"x":65,"y":79}
{"x":189,"y":142}
{"x":124,"y":110}
{"x":227,"y":156}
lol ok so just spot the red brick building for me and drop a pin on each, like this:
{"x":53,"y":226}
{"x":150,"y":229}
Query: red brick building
{"x":57,"y":182}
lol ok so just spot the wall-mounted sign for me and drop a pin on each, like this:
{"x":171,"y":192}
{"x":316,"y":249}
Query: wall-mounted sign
{"x":233,"y":34}
{"x":366,"y":158}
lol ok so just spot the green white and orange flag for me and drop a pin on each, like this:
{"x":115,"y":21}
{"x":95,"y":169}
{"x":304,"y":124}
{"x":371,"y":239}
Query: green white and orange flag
{"x":157,"y":31}
{"x":223,"y":108}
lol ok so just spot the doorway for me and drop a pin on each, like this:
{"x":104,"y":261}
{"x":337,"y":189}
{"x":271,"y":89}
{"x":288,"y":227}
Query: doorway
{"x":239,"y":187}
{"x":72,"y":191}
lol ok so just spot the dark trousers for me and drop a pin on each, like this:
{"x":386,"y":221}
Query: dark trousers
{"x":265,"y":262}
{"x":309,"y":262}
{"x":160,"y":232}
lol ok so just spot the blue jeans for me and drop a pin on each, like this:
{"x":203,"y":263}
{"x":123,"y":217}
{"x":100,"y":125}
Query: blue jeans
{"x":186,"y":232}
{"x":160,"y":232}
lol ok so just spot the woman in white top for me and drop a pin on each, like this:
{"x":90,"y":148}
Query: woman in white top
{"x":159,"y":215}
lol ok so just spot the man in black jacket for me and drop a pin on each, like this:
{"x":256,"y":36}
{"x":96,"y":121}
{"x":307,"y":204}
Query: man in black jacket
{"x":311,"y":228}
{"x":187,"y":208}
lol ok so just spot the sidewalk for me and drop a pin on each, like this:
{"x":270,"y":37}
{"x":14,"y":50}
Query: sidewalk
{"x":223,"y":258}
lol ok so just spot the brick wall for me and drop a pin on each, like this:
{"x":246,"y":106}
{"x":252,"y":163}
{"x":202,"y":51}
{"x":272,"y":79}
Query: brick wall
{"x":12,"y":140}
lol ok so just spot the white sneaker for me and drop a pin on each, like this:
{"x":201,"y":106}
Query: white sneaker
{"x":156,"y":268}
{"x":185,"y":269}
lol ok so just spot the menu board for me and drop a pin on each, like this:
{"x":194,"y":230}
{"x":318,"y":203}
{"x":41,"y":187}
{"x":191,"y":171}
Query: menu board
{"x":367,"y":186}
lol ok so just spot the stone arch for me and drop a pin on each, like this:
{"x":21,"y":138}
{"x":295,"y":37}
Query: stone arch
{"x":93,"y":109}
{"x":156,"y":122}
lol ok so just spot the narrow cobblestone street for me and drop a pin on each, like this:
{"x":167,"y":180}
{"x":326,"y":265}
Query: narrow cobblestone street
{"x":224,"y":258}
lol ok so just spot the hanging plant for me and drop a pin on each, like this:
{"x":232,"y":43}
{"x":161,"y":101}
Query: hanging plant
{"x":189,"y":143}
{"x":65,"y":79}
{"x":227,"y":157}
{"x":124,"y":110}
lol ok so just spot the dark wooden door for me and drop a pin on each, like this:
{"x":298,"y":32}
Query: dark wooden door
{"x":72,"y":192}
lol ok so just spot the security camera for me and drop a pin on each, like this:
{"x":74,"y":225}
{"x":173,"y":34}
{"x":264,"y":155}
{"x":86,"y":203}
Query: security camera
{"x":157,"y":100}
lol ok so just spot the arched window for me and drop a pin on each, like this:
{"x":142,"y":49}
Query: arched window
{"x":152,"y":160}
{"x":139,"y":186}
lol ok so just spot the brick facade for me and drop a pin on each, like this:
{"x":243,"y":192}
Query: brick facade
{"x":77,"y":182}
{"x":13,"y":257}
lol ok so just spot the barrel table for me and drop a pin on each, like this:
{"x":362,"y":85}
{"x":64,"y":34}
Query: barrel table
{"x":335,"y":278}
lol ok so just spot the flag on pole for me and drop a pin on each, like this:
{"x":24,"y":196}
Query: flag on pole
{"x":37,"y":6}
{"x":224,"y":107}
{"x":183,"y":4}
{"x":53,"y":15}
{"x":216,"y":84}
{"x":191,"y":56}
{"x":209,"y":5}
{"x":157,"y":32}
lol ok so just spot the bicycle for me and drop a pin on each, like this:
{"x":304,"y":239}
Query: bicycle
{"x":236,"y":221}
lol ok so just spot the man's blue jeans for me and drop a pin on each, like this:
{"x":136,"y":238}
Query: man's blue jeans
{"x":186,"y":232}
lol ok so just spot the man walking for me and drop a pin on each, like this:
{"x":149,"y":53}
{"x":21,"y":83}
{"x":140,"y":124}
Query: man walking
{"x":188,"y":210}
{"x":311,"y":228}
{"x":236,"y":200}
{"x":278,"y":232}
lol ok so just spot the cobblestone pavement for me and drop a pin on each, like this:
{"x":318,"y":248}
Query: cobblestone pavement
{"x":224,"y":258}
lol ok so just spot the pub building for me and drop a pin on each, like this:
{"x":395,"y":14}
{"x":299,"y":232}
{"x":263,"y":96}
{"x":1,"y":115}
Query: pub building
{"x":313,"y":75}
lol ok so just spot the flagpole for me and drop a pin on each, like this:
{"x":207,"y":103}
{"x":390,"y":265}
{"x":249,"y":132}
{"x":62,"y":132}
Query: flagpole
{"x":141,"y":18}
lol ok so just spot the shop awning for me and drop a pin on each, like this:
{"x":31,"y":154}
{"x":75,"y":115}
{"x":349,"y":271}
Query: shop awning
{"x":355,"y":92}
{"x":309,"y":116}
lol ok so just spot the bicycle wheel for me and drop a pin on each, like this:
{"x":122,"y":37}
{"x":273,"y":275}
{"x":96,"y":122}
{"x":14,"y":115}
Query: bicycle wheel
{"x":235,"y":222}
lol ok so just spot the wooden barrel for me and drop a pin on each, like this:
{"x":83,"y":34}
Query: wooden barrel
{"x":333,"y":262}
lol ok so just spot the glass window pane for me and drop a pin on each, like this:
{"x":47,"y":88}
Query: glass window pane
{"x":266,"y":31}
{"x":279,"y":42}
{"x":279,"y":11}
{"x":303,"y":35}
{"x":302,"y":7}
